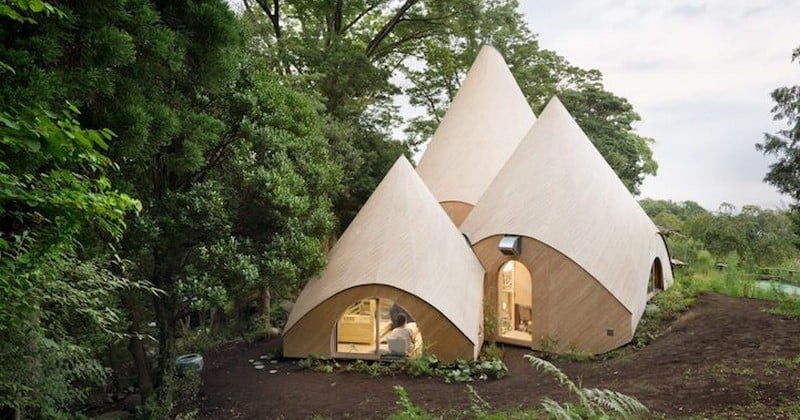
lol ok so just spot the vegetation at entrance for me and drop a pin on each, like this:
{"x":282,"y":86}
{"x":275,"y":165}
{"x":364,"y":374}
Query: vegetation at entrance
{"x":485,"y":368}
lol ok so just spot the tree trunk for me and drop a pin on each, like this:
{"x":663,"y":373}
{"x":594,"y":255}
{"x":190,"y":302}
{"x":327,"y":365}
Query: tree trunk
{"x":136,"y":347}
{"x":266,"y":307}
{"x":166,"y":331}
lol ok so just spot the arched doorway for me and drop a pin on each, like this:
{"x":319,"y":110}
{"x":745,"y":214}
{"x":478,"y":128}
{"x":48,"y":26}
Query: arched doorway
{"x":656,"y":281}
{"x":364,"y":330}
{"x":514,"y":303}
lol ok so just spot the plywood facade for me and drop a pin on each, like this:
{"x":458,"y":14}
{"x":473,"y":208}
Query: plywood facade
{"x":401,"y":246}
{"x":559,"y":190}
{"x":483,"y":125}
{"x":313,"y":334}
{"x":571,"y":309}
{"x":491,"y":171}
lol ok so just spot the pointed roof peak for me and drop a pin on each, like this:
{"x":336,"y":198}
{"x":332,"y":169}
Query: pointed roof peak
{"x":556,"y":187}
{"x":402,"y":238}
{"x":484,"y":124}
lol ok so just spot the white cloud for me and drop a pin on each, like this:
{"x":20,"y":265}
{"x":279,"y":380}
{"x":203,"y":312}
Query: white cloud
{"x":699,"y":73}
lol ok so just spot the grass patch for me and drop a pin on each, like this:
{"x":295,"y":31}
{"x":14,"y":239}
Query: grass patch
{"x":789,"y":308}
{"x":670,"y":303}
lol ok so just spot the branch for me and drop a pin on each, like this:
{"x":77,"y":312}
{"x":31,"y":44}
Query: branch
{"x":389,"y":27}
{"x":361,"y":15}
{"x":382,"y":52}
{"x":337,"y":17}
{"x":274,"y":16}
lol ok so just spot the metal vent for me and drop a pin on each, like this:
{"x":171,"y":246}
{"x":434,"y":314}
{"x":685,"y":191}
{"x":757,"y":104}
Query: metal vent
{"x":510,"y":245}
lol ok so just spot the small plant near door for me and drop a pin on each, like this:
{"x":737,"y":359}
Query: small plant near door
{"x":490,"y":321}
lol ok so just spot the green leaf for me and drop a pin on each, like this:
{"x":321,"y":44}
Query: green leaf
{"x":33,"y":144}
{"x":36,"y":6}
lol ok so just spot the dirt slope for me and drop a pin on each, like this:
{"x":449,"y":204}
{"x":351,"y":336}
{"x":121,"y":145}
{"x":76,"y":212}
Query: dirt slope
{"x":725,"y":355}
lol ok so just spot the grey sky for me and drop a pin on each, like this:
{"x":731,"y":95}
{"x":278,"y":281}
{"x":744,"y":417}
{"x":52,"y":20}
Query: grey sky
{"x":698,"y":72}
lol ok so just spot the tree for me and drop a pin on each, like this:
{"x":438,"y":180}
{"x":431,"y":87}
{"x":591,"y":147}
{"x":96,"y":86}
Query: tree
{"x":57,"y":304}
{"x":233,"y":173}
{"x":443,"y":59}
{"x":785,"y":144}
{"x":345,"y":53}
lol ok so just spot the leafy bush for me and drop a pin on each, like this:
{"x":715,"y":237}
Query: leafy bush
{"x":468,"y":371}
{"x":177,"y":398}
{"x":319,"y":364}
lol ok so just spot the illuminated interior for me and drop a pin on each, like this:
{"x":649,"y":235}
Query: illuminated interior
{"x":365,"y":329}
{"x":515,"y":315}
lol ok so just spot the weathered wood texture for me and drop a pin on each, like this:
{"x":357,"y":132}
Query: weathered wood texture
{"x":483,"y":125}
{"x":401,"y":238}
{"x":313,"y":333}
{"x":571,"y":309}
{"x":558,"y":189}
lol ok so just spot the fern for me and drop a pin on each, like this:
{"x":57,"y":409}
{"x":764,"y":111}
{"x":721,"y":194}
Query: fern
{"x":596,"y":403}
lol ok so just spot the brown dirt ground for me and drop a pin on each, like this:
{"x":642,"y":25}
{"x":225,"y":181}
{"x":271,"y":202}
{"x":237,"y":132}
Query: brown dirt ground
{"x":724,"y":356}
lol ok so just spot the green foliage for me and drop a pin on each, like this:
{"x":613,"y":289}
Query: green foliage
{"x":56,"y":306}
{"x":177,"y":398}
{"x":671,"y":303}
{"x":491,"y":351}
{"x":785,"y":172}
{"x":787,"y":307}
{"x":318,"y":364}
{"x":426,"y":365}
{"x":407,"y":410}
{"x":592,"y":403}
{"x":468,"y":371}
{"x":761,"y":237}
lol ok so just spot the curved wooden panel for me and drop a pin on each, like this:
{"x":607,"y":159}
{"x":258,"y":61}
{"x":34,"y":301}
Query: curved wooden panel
{"x":313,"y":333}
{"x":571,"y":309}
{"x":403,"y":238}
{"x":558,"y":189}
{"x":457,"y":210}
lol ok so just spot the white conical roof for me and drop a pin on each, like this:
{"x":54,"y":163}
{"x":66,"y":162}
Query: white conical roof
{"x":558,"y":189}
{"x":484,"y":124}
{"x":403,"y":238}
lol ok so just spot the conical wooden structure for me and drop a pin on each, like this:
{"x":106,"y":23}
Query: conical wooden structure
{"x":484,"y":124}
{"x":588,"y":245}
{"x":401,"y":247}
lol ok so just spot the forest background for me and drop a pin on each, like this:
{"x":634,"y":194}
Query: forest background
{"x":163,"y":160}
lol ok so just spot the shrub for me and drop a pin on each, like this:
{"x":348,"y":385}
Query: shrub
{"x":592,"y":403}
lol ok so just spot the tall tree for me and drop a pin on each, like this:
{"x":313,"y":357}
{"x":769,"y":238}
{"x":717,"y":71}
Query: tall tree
{"x":58,"y":212}
{"x":346,"y":52}
{"x":230,"y":165}
{"x":785,"y":144}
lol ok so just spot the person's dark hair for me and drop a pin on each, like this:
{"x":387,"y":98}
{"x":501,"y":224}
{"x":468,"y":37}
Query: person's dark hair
{"x":401,"y":320}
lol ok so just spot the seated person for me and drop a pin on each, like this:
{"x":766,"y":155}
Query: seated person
{"x":403,"y":333}
{"x":395,"y":311}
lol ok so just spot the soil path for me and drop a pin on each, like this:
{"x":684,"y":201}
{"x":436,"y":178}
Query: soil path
{"x":725,"y":355}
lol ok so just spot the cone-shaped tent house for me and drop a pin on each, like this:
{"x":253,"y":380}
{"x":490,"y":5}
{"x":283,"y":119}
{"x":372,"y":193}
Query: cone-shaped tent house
{"x":562,"y":257}
{"x":484,"y":124}
{"x":568,"y":252}
{"x":402,"y":253}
